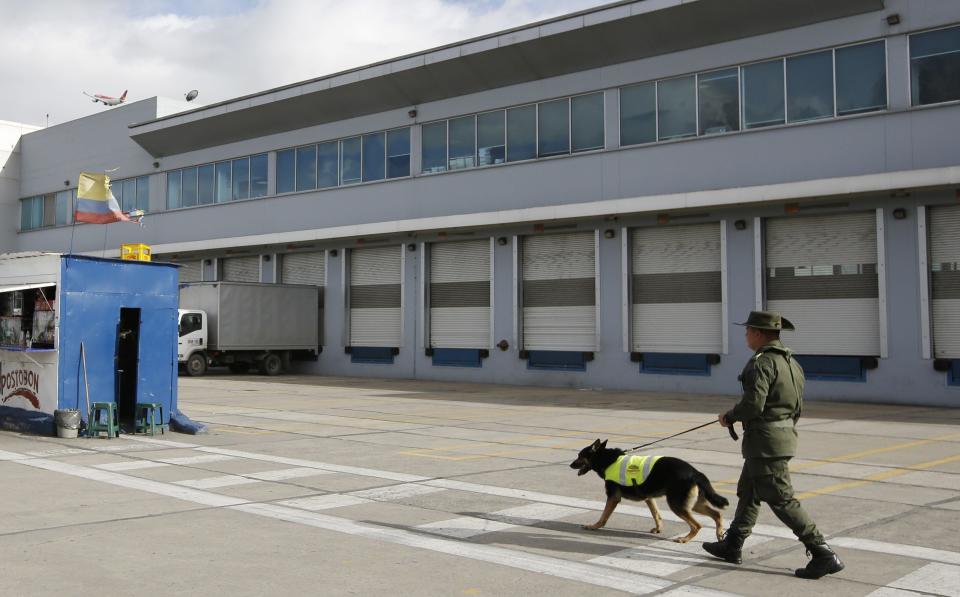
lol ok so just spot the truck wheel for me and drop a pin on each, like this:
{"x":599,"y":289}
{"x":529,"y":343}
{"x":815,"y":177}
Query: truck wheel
{"x":196,"y":365}
{"x":239,"y":368}
{"x":271,"y":365}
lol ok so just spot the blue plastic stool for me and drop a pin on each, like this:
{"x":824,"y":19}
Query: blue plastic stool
{"x":111,"y":426}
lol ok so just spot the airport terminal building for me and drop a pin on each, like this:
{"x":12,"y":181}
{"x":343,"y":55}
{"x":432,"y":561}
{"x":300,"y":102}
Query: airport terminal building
{"x":590,"y":201}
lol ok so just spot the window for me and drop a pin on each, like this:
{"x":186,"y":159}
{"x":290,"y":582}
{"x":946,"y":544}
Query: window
{"x":224,"y":189}
{"x":861,"y":78}
{"x":350,"y":160}
{"x":810,"y":86}
{"x":718,"y":101}
{"x":49,"y":209}
{"x":286,"y":171}
{"x":763,"y":99}
{"x":677,"y":108}
{"x":935,"y":67}
{"x":553,"y":128}
{"x":205,"y":184}
{"x":64,"y":203}
{"x":374,"y":156}
{"x":143,"y":193}
{"x":521,"y":133}
{"x":462,"y":143}
{"x":189,"y":323}
{"x":31,"y":213}
{"x":189,"y":188}
{"x":327,"y":165}
{"x":398,"y":153}
{"x":638,"y":114}
{"x":491,"y":143}
{"x":306,"y":168}
{"x":586,"y":122}
{"x":258,"y":175}
{"x":434,"y":147}
{"x":173,"y":189}
{"x":240,"y":187}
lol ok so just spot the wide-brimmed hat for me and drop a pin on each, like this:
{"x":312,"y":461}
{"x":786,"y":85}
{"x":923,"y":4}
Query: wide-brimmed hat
{"x":768,"y":320}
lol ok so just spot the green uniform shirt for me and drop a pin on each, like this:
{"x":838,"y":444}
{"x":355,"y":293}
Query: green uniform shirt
{"x":771,"y":403}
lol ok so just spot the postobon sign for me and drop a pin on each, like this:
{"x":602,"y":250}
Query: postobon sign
{"x":20,"y":383}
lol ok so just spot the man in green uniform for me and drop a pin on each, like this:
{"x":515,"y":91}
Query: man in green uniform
{"x":769,"y":409}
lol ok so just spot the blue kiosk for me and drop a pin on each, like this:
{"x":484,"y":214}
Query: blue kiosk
{"x":124,"y":315}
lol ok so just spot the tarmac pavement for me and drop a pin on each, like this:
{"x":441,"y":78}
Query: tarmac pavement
{"x":328,"y":486}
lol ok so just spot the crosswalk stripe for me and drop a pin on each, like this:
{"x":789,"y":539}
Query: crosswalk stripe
{"x":286,"y":473}
{"x":395,"y":492}
{"x":325,"y":502}
{"x":130,"y":465}
{"x":938,"y":579}
{"x":898,"y":549}
{"x":214,"y":482}
{"x":464,"y":527}
{"x":663,"y":558}
{"x":201,"y":459}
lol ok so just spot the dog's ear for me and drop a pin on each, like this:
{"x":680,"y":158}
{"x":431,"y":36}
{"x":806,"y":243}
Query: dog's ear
{"x":596,"y":445}
{"x":603,"y":444}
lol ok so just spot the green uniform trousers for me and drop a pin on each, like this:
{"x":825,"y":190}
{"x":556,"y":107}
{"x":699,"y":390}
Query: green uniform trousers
{"x":768,"y":480}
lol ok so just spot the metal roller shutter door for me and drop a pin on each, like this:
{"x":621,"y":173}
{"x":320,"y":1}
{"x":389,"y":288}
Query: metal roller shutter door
{"x":460,"y":294}
{"x":676,"y":291}
{"x":944,"y":234}
{"x":559,"y":292}
{"x":303,"y":268}
{"x":241,"y":269}
{"x":375,"y":296}
{"x":190,"y":271}
{"x":821,"y":274}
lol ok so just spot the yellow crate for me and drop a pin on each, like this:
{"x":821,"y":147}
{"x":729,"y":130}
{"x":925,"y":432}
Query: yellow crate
{"x":135,"y":252}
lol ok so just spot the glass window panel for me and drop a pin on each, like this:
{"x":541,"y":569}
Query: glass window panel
{"x":26,"y":213}
{"x":638,"y":114}
{"x":258,"y":175}
{"x":350,"y":160}
{"x":553,"y":127}
{"x":63,"y":208}
{"x":861,"y":78}
{"x":173,"y":189}
{"x":286,"y":171}
{"x":810,"y":86}
{"x":143,"y":193}
{"x":398,"y":153}
{"x":205,"y":184}
{"x":374,"y":156}
{"x":36,"y":217}
{"x":223,"y":182}
{"x":763,"y":100}
{"x":462,"y":142}
{"x":491,"y":139}
{"x":50,"y":209}
{"x":306,"y":168}
{"x":129,"y":195}
{"x":189,"y":188}
{"x":935,"y":66}
{"x":327,"y":164}
{"x":718,"y":96}
{"x":521,"y":133}
{"x":677,"y":108}
{"x":240,"y":179}
{"x":434,"y":147}
{"x":586,"y":122}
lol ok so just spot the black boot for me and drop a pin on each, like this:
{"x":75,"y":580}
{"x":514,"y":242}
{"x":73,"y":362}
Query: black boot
{"x":822,"y":562}
{"x":727,"y":549}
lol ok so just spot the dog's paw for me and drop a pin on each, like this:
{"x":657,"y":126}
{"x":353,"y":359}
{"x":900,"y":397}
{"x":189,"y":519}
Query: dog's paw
{"x":591,"y":527}
{"x":681,"y":540}
{"x":656,"y":530}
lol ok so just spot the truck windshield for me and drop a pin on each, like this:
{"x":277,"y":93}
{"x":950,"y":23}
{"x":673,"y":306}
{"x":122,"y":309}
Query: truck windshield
{"x":190,"y":322}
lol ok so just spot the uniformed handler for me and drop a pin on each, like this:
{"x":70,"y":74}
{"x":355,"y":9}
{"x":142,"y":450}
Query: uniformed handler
{"x":769,"y":409}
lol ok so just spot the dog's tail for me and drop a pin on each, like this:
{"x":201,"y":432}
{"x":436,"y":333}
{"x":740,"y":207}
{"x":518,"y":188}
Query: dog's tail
{"x":712,"y":496}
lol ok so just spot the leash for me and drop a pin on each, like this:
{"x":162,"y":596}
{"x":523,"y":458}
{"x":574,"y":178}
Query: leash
{"x":733,"y":435}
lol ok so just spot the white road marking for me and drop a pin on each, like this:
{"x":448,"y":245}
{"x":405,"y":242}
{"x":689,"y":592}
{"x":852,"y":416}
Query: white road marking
{"x":158,"y":442}
{"x":201,"y":459}
{"x":663,"y":558}
{"x":464,"y":527}
{"x":324,"y":502}
{"x":695,"y":591}
{"x":635,"y":584}
{"x":898,"y":549}
{"x":334,"y":468}
{"x":214,"y":482}
{"x":888,"y":592}
{"x":939,"y":579}
{"x":129,"y":465}
{"x":470,"y":526}
{"x":286,"y":473}
{"x":395,"y":492}
{"x":59,"y":452}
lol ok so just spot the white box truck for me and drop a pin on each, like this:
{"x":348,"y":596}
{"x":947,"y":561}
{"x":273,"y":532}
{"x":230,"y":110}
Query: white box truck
{"x":246,"y":325}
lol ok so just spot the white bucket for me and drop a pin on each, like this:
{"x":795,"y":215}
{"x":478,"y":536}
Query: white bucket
{"x":67,"y":421}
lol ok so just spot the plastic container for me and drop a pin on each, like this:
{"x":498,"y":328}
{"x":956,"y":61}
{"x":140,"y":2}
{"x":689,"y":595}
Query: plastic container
{"x":67,"y":422}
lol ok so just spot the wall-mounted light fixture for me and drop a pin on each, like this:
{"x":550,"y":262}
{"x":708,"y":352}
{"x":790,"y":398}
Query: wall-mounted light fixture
{"x":412,"y":247}
{"x":609,"y":233}
{"x":893,"y":19}
{"x":266,"y":258}
{"x":156,"y":164}
{"x":899,"y":214}
{"x":412,"y":113}
{"x":66,"y":183}
{"x":333,"y":252}
{"x":740,"y":224}
{"x":502,"y":241}
{"x":208,"y":262}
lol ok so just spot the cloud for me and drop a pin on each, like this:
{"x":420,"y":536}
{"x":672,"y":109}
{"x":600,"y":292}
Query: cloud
{"x":54,"y":50}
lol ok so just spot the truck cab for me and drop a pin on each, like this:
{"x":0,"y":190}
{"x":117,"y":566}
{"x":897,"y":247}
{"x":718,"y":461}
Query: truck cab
{"x":192,"y":343}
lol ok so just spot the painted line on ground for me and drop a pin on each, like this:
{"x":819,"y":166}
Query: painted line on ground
{"x":464,"y":527}
{"x":395,"y":492}
{"x":663,"y":558}
{"x":334,"y":468}
{"x":130,"y":465}
{"x":875,"y":478}
{"x":201,"y":459}
{"x":324,"y":502}
{"x":899,"y":549}
{"x":215,"y":482}
{"x":936,"y":579}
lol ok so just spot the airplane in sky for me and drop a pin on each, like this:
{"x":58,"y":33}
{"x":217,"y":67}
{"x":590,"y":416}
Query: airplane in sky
{"x":106,"y":100}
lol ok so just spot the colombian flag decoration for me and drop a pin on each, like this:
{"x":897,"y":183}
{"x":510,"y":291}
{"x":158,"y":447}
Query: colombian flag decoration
{"x":95,"y":202}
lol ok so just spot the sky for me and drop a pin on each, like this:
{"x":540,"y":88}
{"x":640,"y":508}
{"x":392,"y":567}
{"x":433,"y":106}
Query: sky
{"x":53,"y":50}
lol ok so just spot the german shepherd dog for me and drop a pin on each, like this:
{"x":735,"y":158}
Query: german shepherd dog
{"x":687,"y":489}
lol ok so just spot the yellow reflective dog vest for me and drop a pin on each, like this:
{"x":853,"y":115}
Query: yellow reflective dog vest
{"x":630,"y":470}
